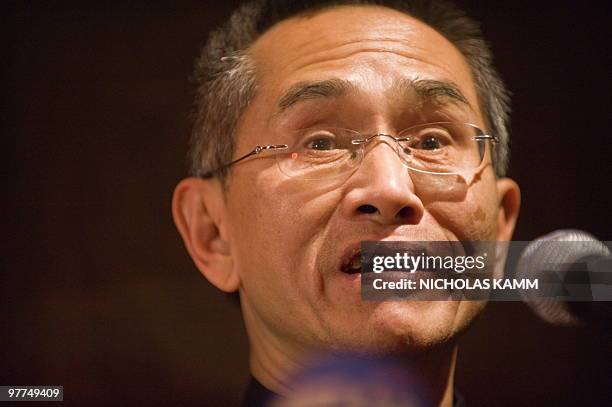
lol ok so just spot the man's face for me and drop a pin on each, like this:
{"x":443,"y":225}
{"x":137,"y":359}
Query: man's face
{"x":289,"y":237}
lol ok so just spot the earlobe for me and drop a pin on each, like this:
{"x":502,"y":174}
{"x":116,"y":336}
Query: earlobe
{"x":509,"y":200}
{"x":198,"y":210}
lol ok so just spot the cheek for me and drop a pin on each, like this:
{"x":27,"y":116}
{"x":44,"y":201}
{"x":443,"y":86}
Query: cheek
{"x":277,"y":223}
{"x":277,"y":229}
{"x":474,"y":218}
{"x":258,"y":221}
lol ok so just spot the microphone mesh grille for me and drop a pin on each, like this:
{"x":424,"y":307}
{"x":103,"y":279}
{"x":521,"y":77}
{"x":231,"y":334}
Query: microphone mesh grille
{"x":543,"y":254}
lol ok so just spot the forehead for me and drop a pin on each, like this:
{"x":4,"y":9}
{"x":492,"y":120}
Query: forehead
{"x":370,"y":46}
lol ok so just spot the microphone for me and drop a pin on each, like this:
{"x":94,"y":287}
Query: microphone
{"x":579,"y":261}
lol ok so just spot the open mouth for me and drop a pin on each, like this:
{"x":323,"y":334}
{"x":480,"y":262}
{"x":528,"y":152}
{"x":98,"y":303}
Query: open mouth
{"x":352,"y":262}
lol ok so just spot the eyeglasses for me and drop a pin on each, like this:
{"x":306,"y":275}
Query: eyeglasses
{"x":440,"y":148}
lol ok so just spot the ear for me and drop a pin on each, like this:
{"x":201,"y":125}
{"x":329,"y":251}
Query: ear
{"x":198,"y":209}
{"x":509,"y":201}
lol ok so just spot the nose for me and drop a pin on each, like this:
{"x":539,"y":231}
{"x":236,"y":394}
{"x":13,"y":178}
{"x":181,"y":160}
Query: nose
{"x":381,"y":190}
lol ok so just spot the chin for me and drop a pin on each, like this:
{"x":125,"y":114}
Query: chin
{"x":399,"y":327}
{"x":415,"y":327}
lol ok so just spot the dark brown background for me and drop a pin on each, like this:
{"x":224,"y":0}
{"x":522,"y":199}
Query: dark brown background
{"x":98,"y":294}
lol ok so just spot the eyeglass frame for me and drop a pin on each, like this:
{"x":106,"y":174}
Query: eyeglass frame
{"x":366,"y":138}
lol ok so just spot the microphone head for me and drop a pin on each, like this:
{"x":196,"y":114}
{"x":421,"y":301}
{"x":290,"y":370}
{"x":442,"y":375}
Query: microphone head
{"x":543,"y":255}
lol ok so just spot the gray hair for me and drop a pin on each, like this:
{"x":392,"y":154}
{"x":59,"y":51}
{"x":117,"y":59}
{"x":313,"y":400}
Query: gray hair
{"x":226,"y":80}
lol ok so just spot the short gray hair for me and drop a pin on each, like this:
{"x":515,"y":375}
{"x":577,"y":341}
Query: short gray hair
{"x":226,"y":80}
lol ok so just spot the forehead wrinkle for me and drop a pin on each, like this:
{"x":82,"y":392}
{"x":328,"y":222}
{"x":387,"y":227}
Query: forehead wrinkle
{"x":440,"y":92}
{"x":377,"y":24}
{"x":387,"y":30}
{"x":304,"y":58}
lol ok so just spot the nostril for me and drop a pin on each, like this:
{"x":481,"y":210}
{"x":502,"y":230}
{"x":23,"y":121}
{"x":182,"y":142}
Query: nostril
{"x":405,"y":212}
{"x":367,"y":209}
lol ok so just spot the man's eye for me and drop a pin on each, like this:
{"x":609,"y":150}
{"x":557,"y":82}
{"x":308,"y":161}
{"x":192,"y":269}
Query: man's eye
{"x":431,"y":140}
{"x":321,"y":144}
{"x":430,"y":143}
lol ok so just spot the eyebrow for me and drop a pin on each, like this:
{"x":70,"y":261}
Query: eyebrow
{"x":306,"y":90}
{"x":427,"y":90}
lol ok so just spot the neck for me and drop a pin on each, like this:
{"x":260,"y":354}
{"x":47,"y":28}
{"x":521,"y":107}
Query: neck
{"x":272,"y":361}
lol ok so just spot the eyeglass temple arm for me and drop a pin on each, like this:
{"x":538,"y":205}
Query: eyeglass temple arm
{"x":255,"y":151}
{"x":486,"y":137}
